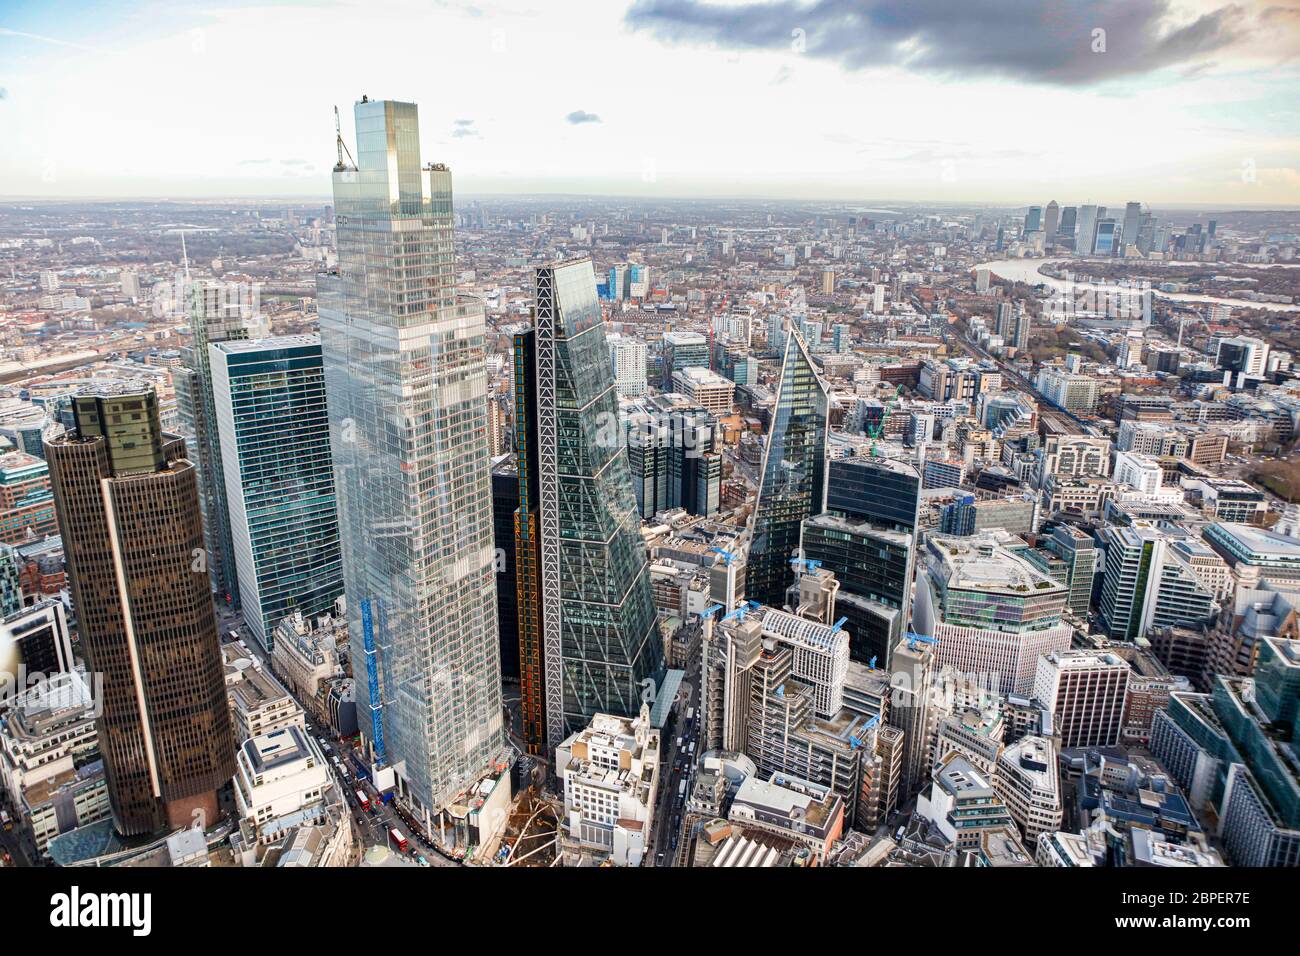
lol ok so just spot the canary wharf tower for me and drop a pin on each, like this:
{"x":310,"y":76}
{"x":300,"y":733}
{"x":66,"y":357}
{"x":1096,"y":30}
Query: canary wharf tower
{"x":407,"y":391}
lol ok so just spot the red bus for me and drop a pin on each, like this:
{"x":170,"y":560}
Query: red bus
{"x":401,"y":841}
{"x":363,"y":800}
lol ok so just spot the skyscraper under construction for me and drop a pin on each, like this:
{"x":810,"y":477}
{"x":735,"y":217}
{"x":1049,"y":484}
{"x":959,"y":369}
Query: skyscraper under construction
{"x":128,"y":505}
{"x":406,"y":384}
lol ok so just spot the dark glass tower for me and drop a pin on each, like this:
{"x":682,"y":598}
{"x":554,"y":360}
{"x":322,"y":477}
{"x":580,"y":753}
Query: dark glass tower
{"x":598,"y":618}
{"x":528,"y":552}
{"x":128,"y":504}
{"x":867,"y":539}
{"x":505,"y":503}
{"x":793,"y":484}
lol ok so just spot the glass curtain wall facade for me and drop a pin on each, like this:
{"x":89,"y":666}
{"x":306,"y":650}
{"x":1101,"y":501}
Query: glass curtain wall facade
{"x":407,"y":390}
{"x":528,"y":553}
{"x":598,"y":617}
{"x":215,"y":315}
{"x":273,"y":429}
{"x":793,"y":484}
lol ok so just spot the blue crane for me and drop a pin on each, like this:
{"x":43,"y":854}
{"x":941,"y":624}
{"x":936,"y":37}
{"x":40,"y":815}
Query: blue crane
{"x":708,"y":612}
{"x":742,"y":610}
{"x":854,"y":740}
{"x":914,"y":638}
{"x":727,"y":556}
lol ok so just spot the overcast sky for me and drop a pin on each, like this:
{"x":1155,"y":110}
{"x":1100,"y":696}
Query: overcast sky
{"x":1164,"y":101}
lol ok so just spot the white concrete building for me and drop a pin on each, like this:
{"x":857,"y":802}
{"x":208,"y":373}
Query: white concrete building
{"x":610,"y":776}
{"x":705,"y":388}
{"x":279,"y":774}
{"x":1028,"y":781}
{"x":628,"y":356}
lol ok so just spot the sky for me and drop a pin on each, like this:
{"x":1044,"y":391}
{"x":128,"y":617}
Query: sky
{"x":985,"y":101}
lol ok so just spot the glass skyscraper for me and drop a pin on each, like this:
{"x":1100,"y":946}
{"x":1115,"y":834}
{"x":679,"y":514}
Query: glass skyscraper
{"x":793,"y":484}
{"x":273,"y":428}
{"x":600,"y":644}
{"x":407,"y":389}
{"x":215,"y":315}
{"x":867,"y":539}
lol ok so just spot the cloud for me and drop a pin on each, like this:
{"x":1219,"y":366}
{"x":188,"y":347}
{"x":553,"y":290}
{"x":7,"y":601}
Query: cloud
{"x":4,"y":94}
{"x":463,"y":128}
{"x":582,"y":116}
{"x":1038,"y":41}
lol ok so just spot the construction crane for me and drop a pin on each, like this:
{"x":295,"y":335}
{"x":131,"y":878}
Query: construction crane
{"x":708,"y":612}
{"x":342,"y":148}
{"x":741,"y":611}
{"x":876,"y":432}
{"x":727,"y":556}
{"x":838,"y":624}
{"x":805,"y":564}
{"x":914,"y":638}
{"x":854,"y":740}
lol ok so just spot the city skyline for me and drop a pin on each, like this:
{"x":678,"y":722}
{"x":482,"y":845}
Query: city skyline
{"x":777,"y":100}
{"x":687,"y":525}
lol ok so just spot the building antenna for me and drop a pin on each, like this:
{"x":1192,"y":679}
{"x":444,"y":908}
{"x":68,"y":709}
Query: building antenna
{"x":342,"y":149}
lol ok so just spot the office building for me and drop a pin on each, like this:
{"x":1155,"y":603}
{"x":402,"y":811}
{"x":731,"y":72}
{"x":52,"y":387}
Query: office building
{"x":35,"y":645}
{"x":682,"y":350}
{"x":597,"y":622}
{"x":866,"y":538}
{"x":1256,"y":555}
{"x":307,"y":655}
{"x":962,"y":804}
{"x":705,"y":388}
{"x":990,"y":610}
{"x":674,"y":457}
{"x":1085,"y":692}
{"x":792,"y":485}
{"x":273,"y":434}
{"x":609,"y":771}
{"x":26,"y":502}
{"x":969,"y":515}
{"x":1027,"y":779}
{"x":216,"y":314}
{"x":407,"y":393}
{"x":1234,"y":751}
{"x":128,"y":504}
{"x":505,"y":505}
{"x":1147,"y":583}
{"x":1051,"y":223}
{"x":1074,"y":393}
{"x":1077,"y":554}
